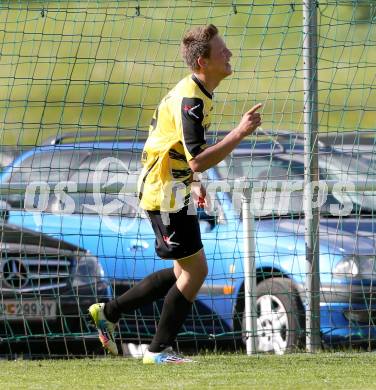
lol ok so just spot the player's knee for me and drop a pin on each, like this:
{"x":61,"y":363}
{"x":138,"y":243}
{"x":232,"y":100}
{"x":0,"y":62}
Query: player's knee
{"x":202,"y":266}
{"x":177,"y":270}
{"x":195,"y":268}
{"x":201,"y":272}
{"x":204,"y":270}
{"x":197,"y":274}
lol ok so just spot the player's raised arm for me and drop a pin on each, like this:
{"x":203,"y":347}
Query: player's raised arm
{"x":216,"y":153}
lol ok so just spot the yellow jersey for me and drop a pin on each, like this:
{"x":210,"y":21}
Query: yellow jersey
{"x":176,"y":135}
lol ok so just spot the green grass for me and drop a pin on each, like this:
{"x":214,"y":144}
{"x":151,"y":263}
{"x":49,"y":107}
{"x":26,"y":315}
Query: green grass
{"x":296,"y":371}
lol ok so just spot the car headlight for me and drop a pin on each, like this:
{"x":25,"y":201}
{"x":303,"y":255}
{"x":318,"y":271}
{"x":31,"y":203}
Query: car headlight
{"x":356,"y":267}
{"x":88,"y":270}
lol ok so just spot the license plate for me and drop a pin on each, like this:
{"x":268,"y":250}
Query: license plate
{"x":27,"y":309}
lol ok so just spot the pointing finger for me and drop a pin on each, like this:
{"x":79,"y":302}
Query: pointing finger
{"x":254,"y":108}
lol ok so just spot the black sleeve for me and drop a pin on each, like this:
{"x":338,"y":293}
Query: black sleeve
{"x":192,"y":114}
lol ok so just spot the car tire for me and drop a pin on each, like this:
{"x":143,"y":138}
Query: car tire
{"x":280,"y":317}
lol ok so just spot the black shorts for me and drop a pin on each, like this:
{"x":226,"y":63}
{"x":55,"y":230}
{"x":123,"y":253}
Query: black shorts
{"x":177,"y":235}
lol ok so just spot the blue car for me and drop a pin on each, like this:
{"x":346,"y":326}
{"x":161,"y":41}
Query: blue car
{"x":109,"y":225}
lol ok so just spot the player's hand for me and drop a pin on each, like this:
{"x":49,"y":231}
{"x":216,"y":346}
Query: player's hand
{"x":199,"y":195}
{"x":250,"y":121}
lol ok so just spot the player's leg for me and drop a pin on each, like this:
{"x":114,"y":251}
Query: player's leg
{"x":152,"y":288}
{"x":179,"y":299}
{"x":194,"y":270}
{"x":177,"y":270}
{"x":182,"y":242}
{"x":176,"y":307}
{"x":148,"y":290}
{"x":105,"y":316}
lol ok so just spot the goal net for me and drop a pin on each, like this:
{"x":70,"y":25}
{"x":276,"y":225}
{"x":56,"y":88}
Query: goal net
{"x":79,"y":82}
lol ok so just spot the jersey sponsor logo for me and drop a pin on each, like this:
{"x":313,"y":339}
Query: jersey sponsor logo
{"x":191,"y":110}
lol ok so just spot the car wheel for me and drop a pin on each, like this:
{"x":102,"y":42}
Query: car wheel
{"x":280,"y":317}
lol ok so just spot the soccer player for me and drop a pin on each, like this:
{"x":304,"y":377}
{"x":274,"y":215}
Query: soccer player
{"x":174,"y":151}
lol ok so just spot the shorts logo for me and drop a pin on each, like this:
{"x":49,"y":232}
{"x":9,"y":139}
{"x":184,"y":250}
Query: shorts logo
{"x":167,"y":240}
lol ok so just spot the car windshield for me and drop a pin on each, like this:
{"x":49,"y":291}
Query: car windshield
{"x":92,"y":170}
{"x":289,"y":168}
{"x":362,"y":160}
{"x":346,"y":166}
{"x":355,"y":151}
{"x":99,"y":171}
{"x":50,"y":167}
{"x":260,"y":168}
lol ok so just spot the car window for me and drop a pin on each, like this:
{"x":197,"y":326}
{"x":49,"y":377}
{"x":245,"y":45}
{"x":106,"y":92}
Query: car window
{"x":260,"y":168}
{"x":109,"y":166}
{"x":101,"y":169}
{"x":348,"y":166}
{"x":54,"y":166}
{"x":113,"y":205}
{"x":82,"y":167}
{"x":280,"y":167}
